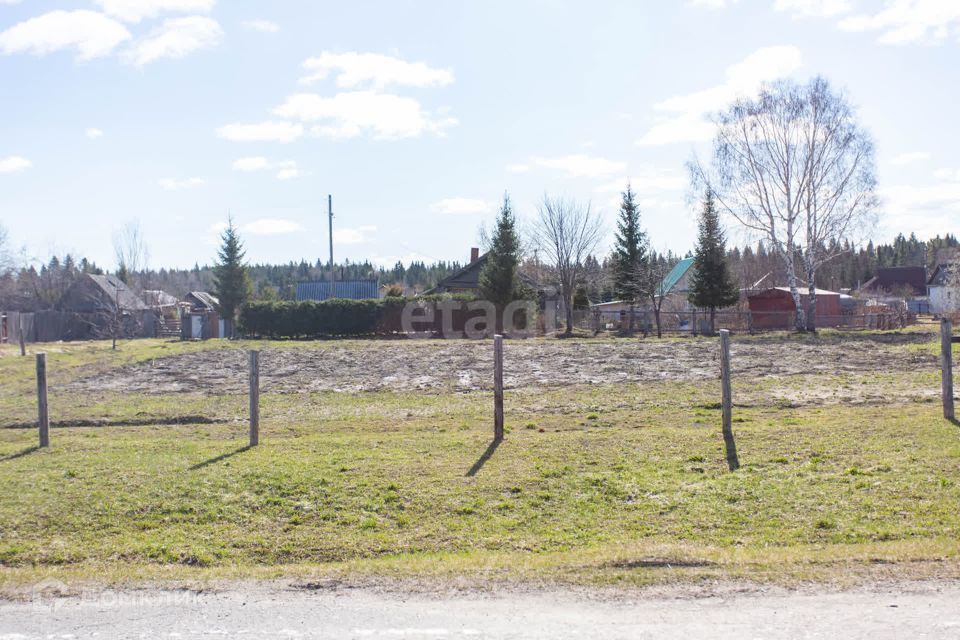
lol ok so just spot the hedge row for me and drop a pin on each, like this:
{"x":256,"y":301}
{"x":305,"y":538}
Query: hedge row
{"x":334,"y":317}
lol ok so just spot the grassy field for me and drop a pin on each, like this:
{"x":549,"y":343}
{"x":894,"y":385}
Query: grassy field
{"x":607,"y":484}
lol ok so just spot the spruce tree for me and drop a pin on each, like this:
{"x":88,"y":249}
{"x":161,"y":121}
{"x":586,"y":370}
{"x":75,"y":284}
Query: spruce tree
{"x":629,"y":254}
{"x":231,"y":281}
{"x":711,"y":284}
{"x":498,"y":278}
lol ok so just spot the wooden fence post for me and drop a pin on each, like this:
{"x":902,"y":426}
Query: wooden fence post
{"x":946,"y":366}
{"x":733,"y":461}
{"x":23,"y":345}
{"x":498,"y":388}
{"x":727,"y":402}
{"x":43,"y":414}
{"x":254,"y":398}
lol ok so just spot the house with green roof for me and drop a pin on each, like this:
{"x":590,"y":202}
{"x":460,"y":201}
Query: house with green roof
{"x":675,"y":284}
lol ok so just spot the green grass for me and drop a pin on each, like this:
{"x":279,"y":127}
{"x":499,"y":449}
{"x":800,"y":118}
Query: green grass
{"x":598,"y":484}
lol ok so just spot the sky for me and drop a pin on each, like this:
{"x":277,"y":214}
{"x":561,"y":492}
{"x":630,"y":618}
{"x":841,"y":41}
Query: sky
{"x":417,"y":116}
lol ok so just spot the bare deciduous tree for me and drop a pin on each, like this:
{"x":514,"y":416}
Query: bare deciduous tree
{"x":7,"y":266}
{"x":131,"y":251}
{"x":567,"y":231}
{"x":794,"y":166}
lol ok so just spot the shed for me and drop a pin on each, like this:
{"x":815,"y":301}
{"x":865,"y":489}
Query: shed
{"x":944,"y":296}
{"x":774,"y":308}
{"x":200,"y":319}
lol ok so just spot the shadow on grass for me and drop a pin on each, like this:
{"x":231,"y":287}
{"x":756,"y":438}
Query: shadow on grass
{"x":482,"y":460}
{"x":954,"y":421}
{"x":733,"y":461}
{"x":221,"y":457}
{"x":20,"y":454}
{"x":656,"y":563}
{"x":122,"y":422}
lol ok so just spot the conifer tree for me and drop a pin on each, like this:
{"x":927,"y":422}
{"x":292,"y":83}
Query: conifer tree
{"x":630,"y":254}
{"x":231,"y":281}
{"x":711,"y":284}
{"x":498,"y":278}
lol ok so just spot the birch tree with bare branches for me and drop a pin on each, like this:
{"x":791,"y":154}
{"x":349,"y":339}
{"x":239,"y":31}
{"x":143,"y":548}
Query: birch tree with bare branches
{"x":132,"y":253}
{"x":794,"y":166}
{"x":567,"y":231}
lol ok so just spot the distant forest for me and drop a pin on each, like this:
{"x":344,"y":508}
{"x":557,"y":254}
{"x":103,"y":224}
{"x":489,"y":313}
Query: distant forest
{"x":29,"y":288}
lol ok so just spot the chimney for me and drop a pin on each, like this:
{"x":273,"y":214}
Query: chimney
{"x":474,"y":254}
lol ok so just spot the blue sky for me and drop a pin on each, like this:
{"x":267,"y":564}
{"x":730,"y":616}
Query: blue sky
{"x":417,"y":116}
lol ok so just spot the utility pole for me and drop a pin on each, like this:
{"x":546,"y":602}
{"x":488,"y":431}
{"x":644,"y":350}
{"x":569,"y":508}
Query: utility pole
{"x":333,"y":276}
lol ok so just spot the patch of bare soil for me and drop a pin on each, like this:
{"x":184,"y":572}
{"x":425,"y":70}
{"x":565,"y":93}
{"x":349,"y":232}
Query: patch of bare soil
{"x":464,"y":366}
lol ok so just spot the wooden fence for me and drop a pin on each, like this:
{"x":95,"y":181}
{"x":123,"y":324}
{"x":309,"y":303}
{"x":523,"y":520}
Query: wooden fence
{"x":726,"y":394}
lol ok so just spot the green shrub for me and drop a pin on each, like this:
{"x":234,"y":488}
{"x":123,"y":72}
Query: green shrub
{"x":337,"y":317}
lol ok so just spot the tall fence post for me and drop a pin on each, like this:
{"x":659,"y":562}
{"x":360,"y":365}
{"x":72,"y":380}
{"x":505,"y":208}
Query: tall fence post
{"x":733,"y":461}
{"x":254,"y":398}
{"x":23,"y":345}
{"x":498,"y":388}
{"x":43,"y":414}
{"x":727,"y":403}
{"x":946,"y":366}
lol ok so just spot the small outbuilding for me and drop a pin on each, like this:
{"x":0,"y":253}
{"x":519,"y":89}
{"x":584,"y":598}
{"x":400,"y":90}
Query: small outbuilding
{"x":200,"y":317}
{"x":774,"y":308}
{"x":944,"y":292}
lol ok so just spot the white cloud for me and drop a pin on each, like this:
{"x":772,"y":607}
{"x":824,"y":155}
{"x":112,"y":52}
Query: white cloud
{"x":269,"y":131}
{"x":947,"y":174}
{"x":518,"y":168}
{"x":713,"y":4}
{"x":93,"y":34}
{"x":173,"y":184}
{"x":255,"y":163}
{"x":685,"y":121}
{"x":813,"y":8}
{"x":348,"y":115}
{"x":137,"y":10}
{"x":373,"y":70}
{"x":909,"y":21}
{"x":13,"y":164}
{"x":911,"y":156}
{"x":647,"y":178}
{"x":580,"y":165}
{"x":413,"y":256}
{"x":264,"y":26}
{"x":287,"y":170}
{"x":358,"y":235}
{"x":461,"y":206}
{"x":93,"y":133}
{"x":926,"y":210}
{"x":270,"y":227}
{"x":177,"y":38}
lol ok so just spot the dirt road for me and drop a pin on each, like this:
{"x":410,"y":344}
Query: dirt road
{"x":924,"y":611}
